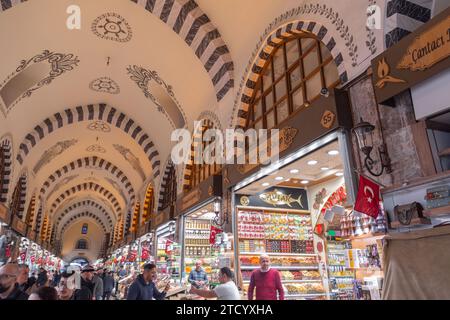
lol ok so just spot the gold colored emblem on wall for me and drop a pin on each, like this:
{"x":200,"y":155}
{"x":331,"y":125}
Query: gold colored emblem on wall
{"x":245,"y":201}
{"x":383,"y":74}
{"x":327,"y":120}
{"x":287,"y":135}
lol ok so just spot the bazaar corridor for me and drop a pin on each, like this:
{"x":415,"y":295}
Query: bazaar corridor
{"x":224,"y":150}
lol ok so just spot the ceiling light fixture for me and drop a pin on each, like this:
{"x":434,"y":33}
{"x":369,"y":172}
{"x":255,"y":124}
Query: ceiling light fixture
{"x":339,"y":174}
{"x":324,"y":168}
{"x":279,"y":178}
{"x":312,"y":162}
{"x":305,"y":182}
{"x":266,"y":184}
{"x":333,"y":152}
{"x":294,"y":171}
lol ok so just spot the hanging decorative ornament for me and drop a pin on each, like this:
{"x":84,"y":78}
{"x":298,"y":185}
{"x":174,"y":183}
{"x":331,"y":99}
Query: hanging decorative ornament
{"x":358,"y":229}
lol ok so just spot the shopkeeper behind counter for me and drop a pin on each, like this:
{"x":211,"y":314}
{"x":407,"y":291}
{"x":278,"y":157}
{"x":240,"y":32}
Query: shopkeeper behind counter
{"x":227,"y":290}
{"x":198,"y":277}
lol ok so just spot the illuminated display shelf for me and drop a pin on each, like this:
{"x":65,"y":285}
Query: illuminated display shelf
{"x":280,"y":254}
{"x":282,"y":267}
{"x":292,"y":281}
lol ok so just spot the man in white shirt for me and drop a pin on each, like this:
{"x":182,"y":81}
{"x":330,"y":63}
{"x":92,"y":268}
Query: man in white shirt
{"x":227,"y":290}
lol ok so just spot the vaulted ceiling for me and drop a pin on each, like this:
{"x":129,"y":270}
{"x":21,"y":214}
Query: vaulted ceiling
{"x":90,"y":111}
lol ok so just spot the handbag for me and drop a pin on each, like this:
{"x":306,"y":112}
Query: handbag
{"x":405,"y":214}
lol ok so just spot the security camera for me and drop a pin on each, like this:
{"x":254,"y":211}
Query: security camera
{"x":325,"y":92}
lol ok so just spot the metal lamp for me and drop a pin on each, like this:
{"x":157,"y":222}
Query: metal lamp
{"x":364,"y":134}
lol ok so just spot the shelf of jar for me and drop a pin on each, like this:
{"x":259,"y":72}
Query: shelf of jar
{"x":304,"y":295}
{"x":241,"y":238}
{"x":292,"y":281}
{"x":199,"y":229}
{"x":280,"y":254}
{"x":282,"y":267}
{"x":197,"y":245}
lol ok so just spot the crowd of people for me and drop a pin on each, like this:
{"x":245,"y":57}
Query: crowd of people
{"x":16,"y":283}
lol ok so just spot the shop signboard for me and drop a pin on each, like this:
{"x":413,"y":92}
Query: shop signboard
{"x":324,"y":116}
{"x":19,"y":226}
{"x":163,"y":217}
{"x":4,"y":214}
{"x":31,"y":234}
{"x":417,"y":57}
{"x":207,"y":189}
{"x":277,"y":198}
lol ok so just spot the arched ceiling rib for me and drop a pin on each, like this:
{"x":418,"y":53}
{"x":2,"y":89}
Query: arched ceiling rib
{"x":88,"y":188}
{"x":97,"y":115}
{"x":66,"y":172}
{"x":80,"y":204}
{"x":82,"y":212}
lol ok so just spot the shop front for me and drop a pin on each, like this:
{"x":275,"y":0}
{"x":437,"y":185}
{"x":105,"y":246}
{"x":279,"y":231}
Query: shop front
{"x":294,"y":210}
{"x":168,"y":253}
{"x":202,"y":232}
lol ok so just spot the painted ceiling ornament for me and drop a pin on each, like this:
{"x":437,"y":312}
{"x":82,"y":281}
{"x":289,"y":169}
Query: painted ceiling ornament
{"x":142,"y":77}
{"x":53,"y":152}
{"x":96,"y":148}
{"x":131,"y":158}
{"x":105,"y":84}
{"x":64,"y":181}
{"x":116,"y":186}
{"x":59,"y":63}
{"x":99,"y":125}
{"x":112,"y":26}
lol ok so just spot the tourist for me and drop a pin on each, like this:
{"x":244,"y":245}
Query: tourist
{"x":42,"y":278}
{"x":108,"y":285}
{"x":44,"y":293}
{"x":65,"y":289}
{"x":227,"y":290}
{"x":86,"y":291}
{"x":144,"y":288}
{"x":9,"y":289}
{"x":267,"y":282}
{"x":25,"y":283}
{"x":198,"y":277}
{"x":98,"y":284}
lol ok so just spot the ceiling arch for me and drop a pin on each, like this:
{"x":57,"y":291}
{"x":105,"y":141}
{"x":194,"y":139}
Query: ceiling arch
{"x":188,"y":20}
{"x":94,"y":161}
{"x":82,"y":212}
{"x":89,"y":186}
{"x":83,"y":204}
{"x":78,"y":218}
{"x":98,"y":114}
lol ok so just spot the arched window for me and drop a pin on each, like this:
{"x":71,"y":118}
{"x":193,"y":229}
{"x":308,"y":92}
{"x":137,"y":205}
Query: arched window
{"x":81,"y":245}
{"x":169,"y":189}
{"x":290,"y":80}
{"x":84,"y":228}
{"x":200,"y":172}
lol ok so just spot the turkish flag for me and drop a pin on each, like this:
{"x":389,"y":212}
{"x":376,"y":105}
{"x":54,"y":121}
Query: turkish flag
{"x":212,"y":235}
{"x":368,"y":198}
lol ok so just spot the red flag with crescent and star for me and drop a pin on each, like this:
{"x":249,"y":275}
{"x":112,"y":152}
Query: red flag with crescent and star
{"x":368,"y":198}
{"x":212,"y":235}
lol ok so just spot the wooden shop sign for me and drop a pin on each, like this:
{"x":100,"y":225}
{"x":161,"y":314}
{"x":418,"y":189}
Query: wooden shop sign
{"x":417,"y":57}
{"x":19,"y":226}
{"x":4,"y":214}
{"x":323,"y":116}
{"x":210,"y":188}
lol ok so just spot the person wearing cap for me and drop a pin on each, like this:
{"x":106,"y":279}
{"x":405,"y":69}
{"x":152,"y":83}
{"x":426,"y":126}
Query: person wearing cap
{"x":108,"y":284}
{"x":64,"y":289}
{"x":144,"y":288}
{"x":86,"y":292}
{"x":98,"y":284}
